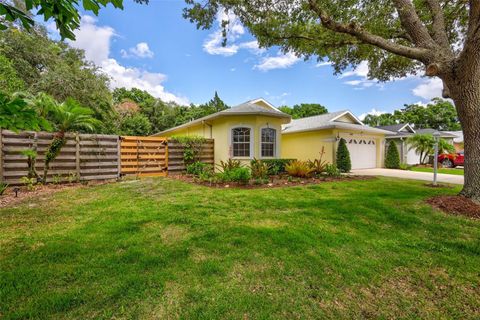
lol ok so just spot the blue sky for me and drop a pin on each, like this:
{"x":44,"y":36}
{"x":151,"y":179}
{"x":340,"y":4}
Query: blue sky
{"x":152,"y":47}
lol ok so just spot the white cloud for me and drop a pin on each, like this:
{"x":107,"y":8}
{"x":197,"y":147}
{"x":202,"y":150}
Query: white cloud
{"x":280,"y":61}
{"x":374,"y":112}
{"x":360,"y":71}
{"x":323,"y":64}
{"x":141,"y":50}
{"x":96,"y":41}
{"x":235,"y":30}
{"x":429,"y":89}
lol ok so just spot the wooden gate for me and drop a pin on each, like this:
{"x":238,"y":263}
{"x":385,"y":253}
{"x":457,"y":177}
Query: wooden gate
{"x":144,"y":156}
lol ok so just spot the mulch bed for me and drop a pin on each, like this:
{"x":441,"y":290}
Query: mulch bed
{"x":274,"y":182}
{"x":8,"y":198}
{"x":457,"y":205}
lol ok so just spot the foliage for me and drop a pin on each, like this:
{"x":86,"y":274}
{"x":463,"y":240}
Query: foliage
{"x":29,"y":183}
{"x":192,"y":147}
{"x":55,"y":68}
{"x":237,"y":174}
{"x":10,"y":82}
{"x":304,"y":110}
{"x":392,"y":160}
{"x":65,"y":13}
{"x":344,"y":164}
{"x":228,"y":165}
{"x":297,"y":168}
{"x":276,"y":166}
{"x":424,"y":145}
{"x":197,"y":168}
{"x":404,"y":166}
{"x":31,"y":162}
{"x":56,"y":179}
{"x":259,"y":169}
{"x":331,"y":170}
{"x":3,"y":187}
{"x":72,"y":177}
{"x":439,"y":114}
{"x":17,"y":115}
{"x":136,"y":125}
{"x":318,"y":165}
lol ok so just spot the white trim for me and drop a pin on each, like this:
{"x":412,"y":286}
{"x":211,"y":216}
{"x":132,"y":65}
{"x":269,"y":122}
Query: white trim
{"x":277,"y":142}
{"x":349,"y":113}
{"x":266,"y":102}
{"x":252,"y":140}
{"x":407,"y":125}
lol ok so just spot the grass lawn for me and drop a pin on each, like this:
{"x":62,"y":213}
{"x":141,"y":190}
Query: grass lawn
{"x":455,"y":171}
{"x":164,"y":249}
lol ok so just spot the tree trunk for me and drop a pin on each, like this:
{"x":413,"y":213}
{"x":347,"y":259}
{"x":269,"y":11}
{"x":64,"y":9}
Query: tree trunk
{"x":465,"y":92}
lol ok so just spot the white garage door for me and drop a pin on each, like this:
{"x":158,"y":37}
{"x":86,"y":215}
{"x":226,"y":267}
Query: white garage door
{"x":363,"y":152}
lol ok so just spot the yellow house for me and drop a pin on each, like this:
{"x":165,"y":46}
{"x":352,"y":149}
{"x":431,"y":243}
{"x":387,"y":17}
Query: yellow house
{"x":305,"y":138}
{"x":256,"y":129}
{"x":249,"y":130}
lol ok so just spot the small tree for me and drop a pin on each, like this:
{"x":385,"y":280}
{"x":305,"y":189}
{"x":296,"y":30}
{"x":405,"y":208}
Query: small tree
{"x":344,"y":164}
{"x":392,"y":161}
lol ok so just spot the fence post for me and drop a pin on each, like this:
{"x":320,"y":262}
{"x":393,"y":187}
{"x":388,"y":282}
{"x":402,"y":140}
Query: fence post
{"x":166,"y":155}
{"x":77,"y":155}
{"x":119,"y":156}
{"x":1,"y":155}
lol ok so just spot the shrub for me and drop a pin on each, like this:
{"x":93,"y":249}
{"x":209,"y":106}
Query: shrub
{"x":298,"y":168}
{"x":259,"y":169}
{"x":318,"y":165}
{"x":198,"y":168}
{"x":277,"y":166}
{"x":192,"y":147}
{"x":240,"y":174}
{"x":30,"y":183}
{"x":332,"y":171}
{"x":3,"y":187}
{"x":230,"y":164}
{"x":404,"y":166}
{"x":392,"y":160}
{"x":344,"y":164}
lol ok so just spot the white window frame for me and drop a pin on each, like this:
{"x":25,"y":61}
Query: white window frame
{"x":252,"y":139}
{"x":276,"y":144}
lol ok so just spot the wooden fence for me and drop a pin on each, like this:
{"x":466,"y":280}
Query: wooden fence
{"x":94,"y":157}
{"x":175,"y":155}
{"x":84,"y":156}
{"x":144,"y":156}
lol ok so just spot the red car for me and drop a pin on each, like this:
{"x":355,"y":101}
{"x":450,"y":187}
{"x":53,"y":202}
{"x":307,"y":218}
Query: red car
{"x":451,"y":160}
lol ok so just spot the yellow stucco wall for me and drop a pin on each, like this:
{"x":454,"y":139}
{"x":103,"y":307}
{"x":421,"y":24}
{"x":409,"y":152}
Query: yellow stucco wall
{"x":308,"y":145}
{"x":220,"y":130}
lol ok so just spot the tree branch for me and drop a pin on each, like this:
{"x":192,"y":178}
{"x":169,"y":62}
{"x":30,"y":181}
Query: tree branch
{"x":438,"y":25}
{"x":412,"y":23}
{"x":353,"y":30}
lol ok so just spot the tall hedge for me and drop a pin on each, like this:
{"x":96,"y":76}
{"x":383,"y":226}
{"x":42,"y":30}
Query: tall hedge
{"x":392,"y":160}
{"x":344,"y":164}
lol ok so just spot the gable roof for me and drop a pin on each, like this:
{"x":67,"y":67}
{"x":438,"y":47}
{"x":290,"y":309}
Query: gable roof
{"x":259,"y":107}
{"x":328,"y":121}
{"x":443,"y":134}
{"x":397,"y":127}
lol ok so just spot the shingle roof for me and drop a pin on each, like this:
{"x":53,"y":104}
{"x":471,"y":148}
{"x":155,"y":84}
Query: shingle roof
{"x":443,"y":134}
{"x":325,"y":121}
{"x":393,"y":128}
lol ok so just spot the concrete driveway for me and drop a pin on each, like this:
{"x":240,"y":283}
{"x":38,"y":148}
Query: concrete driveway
{"x":413,"y":175}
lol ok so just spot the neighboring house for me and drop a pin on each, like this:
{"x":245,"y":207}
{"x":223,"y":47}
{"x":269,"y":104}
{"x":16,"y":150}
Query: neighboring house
{"x":458,"y":141}
{"x":256,"y":129}
{"x":304,"y":138}
{"x":401,"y":132}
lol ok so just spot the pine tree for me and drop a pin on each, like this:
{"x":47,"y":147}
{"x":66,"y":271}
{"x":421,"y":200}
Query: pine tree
{"x":344,"y":164}
{"x":217,"y":104}
{"x":392,"y":161}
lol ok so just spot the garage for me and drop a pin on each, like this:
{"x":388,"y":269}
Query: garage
{"x":363,"y":152}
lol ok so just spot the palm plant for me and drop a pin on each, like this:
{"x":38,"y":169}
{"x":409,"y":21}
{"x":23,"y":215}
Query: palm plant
{"x":67,"y":116}
{"x":424,"y":145}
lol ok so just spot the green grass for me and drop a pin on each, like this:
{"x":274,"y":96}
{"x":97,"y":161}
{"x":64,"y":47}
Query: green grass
{"x":455,"y":171}
{"x":164,"y":249}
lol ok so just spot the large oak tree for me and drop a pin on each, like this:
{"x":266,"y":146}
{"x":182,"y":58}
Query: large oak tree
{"x":438,"y":38}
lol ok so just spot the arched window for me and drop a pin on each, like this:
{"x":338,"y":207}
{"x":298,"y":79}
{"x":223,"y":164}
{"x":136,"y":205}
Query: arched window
{"x":241,"y":142}
{"x":268,"y":143}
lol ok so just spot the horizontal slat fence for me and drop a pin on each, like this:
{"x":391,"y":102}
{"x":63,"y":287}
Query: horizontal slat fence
{"x":175,"y":155}
{"x":143,"y":156}
{"x":84,"y":156}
